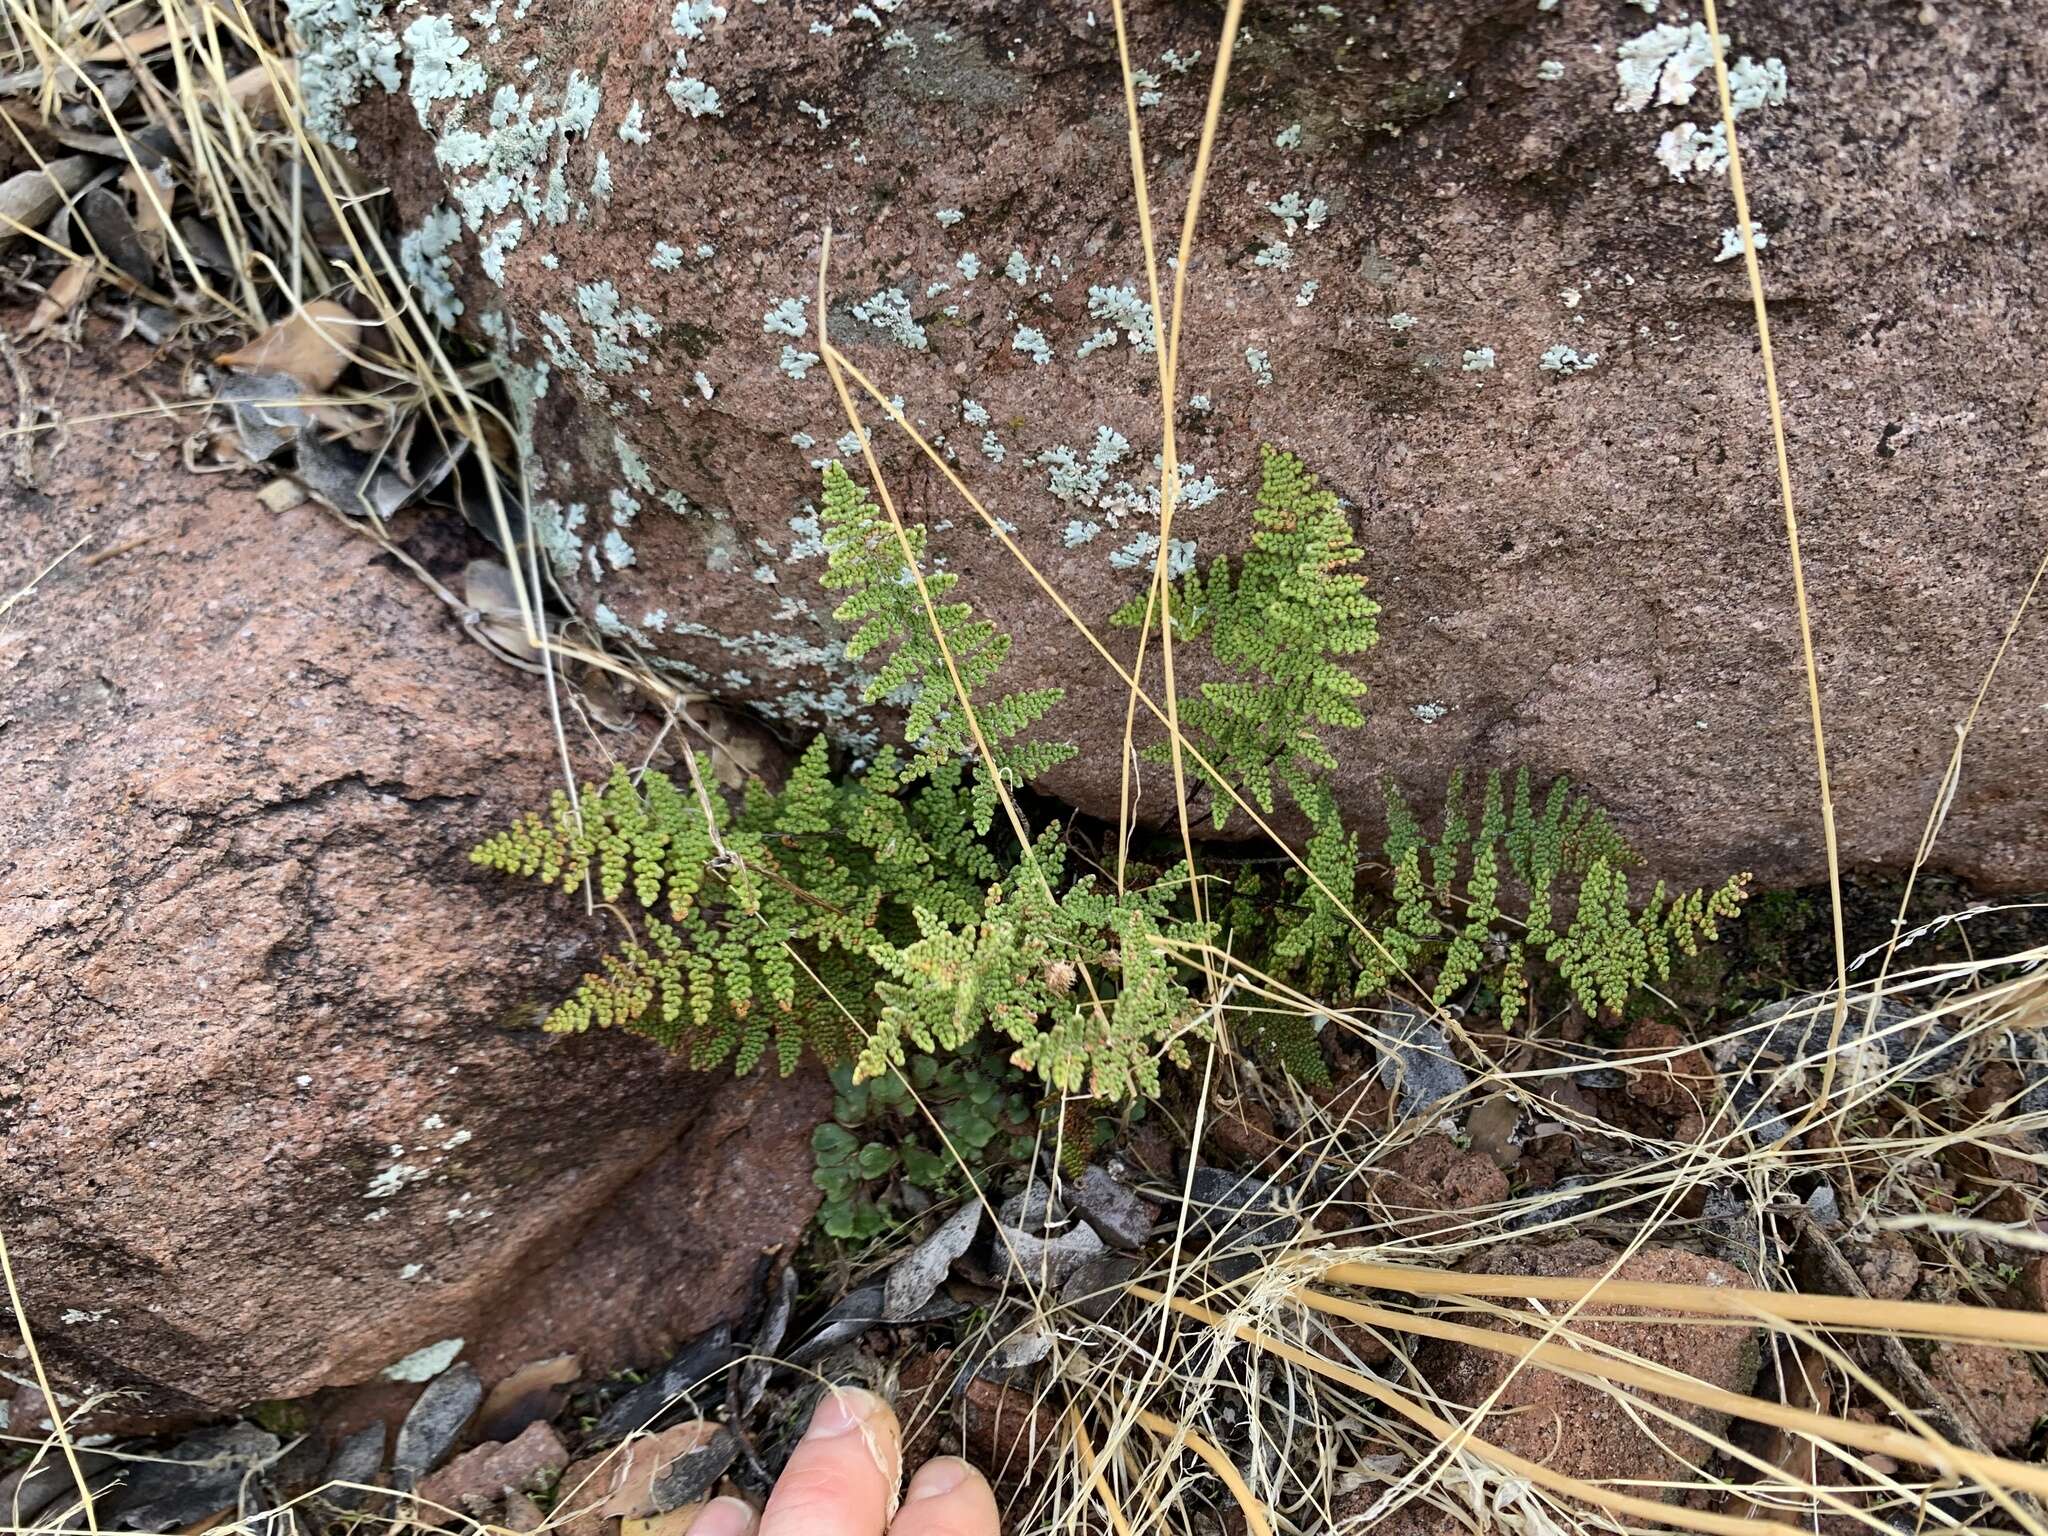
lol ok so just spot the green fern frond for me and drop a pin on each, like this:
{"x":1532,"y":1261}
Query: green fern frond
{"x":1294,"y":606}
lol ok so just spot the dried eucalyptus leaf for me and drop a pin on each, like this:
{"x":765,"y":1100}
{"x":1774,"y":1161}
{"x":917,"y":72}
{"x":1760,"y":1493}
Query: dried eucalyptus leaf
{"x":28,"y":198}
{"x":314,"y":345}
{"x":105,"y":215}
{"x":354,"y":483}
{"x":266,"y":411}
{"x":491,"y":593}
{"x":917,"y":1276}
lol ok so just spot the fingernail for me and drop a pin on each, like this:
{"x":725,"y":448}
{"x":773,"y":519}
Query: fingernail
{"x":938,"y":1478}
{"x":725,"y":1517}
{"x":842,"y":1410}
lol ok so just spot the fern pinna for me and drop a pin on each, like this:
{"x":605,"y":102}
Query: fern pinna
{"x":871,"y":912}
{"x":1561,"y":868}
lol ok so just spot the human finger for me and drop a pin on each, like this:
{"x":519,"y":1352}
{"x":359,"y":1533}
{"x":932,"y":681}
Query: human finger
{"x":724,"y":1517}
{"x":841,"y":1479}
{"x":948,"y":1498}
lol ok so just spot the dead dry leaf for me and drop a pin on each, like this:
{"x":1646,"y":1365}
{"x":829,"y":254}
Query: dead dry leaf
{"x":29,"y":198}
{"x":488,"y":589}
{"x":314,"y":345}
{"x":676,"y":1522}
{"x":148,"y":40}
{"x":281,"y":495}
{"x":65,"y":293}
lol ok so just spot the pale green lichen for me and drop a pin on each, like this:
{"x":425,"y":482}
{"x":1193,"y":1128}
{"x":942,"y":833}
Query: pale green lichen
{"x":693,"y":96}
{"x":1121,"y":306}
{"x":1479,"y":360}
{"x":440,"y":69}
{"x":1566,"y":361}
{"x":344,"y":49}
{"x":1180,"y":555}
{"x":1032,"y":343}
{"x":633,"y":126}
{"x":423,"y":257}
{"x":666,"y":257}
{"x":786,"y":319}
{"x":970,"y":266}
{"x":1685,"y":151}
{"x":888,"y":311}
{"x":1079,"y":482}
{"x":1261,"y":365}
{"x":503,"y":239}
{"x":1731,"y":243}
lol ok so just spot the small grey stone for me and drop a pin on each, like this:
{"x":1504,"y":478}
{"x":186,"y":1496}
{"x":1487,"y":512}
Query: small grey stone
{"x":1562,"y":1206}
{"x":1823,"y":1207}
{"x":436,"y":1422}
{"x":1238,"y":1214}
{"x":201,"y":1475}
{"x":1120,"y":1216}
{"x":27,"y":1493}
{"x":358,"y":1459}
{"x":1048,"y":1261}
{"x":1415,"y":1060}
{"x":1797,"y":1030}
{"x":1096,"y":1286}
{"x":917,"y":1276}
{"x":1032,"y":1209}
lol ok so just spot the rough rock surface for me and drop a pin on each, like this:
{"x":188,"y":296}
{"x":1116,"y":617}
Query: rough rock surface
{"x":1581,"y":571}
{"x":1579,"y":1429}
{"x":275,"y":1110}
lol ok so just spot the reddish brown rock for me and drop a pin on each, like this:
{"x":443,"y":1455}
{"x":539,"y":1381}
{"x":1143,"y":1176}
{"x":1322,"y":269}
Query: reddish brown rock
{"x":1673,"y":1077}
{"x":1430,"y":1182}
{"x":1579,"y":1429}
{"x":1997,"y":1389}
{"x":1583,"y":573}
{"x":480,"y":1479}
{"x":261,"y":1018}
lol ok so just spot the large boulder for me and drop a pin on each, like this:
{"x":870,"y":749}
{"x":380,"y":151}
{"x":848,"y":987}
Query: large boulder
{"x":1582,"y":563}
{"x":275,"y":1108}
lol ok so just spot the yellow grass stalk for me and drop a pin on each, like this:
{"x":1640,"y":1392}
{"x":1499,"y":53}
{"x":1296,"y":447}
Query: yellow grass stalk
{"x":1988,"y":1325}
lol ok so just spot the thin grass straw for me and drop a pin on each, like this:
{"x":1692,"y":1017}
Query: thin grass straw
{"x":1179,"y":1434}
{"x":1991,"y":1325}
{"x":1820,"y":745}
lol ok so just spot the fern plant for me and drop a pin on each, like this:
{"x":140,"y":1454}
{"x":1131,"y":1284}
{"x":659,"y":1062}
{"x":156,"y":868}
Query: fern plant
{"x":874,"y":912}
{"x":1280,"y":622}
{"x":1525,"y":889}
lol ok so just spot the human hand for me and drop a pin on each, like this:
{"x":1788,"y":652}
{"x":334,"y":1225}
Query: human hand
{"x":842,"y":1478}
